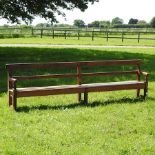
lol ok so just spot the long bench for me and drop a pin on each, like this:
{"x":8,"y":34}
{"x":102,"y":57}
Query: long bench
{"x":14,"y":92}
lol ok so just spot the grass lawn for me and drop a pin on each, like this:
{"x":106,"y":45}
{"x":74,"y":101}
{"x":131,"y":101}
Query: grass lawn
{"x":75,"y":41}
{"x":112,"y":123}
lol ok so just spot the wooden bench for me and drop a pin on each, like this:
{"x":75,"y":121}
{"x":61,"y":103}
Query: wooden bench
{"x":79,"y":87}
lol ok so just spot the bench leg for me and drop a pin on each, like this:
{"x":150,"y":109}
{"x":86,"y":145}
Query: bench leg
{"x":79,"y":97}
{"x":14,"y":101}
{"x":145,"y":92}
{"x":9,"y":99}
{"x":138,"y":92}
{"x":86,"y":98}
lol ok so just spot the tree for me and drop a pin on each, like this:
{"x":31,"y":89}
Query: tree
{"x":26,"y":10}
{"x":117,"y":21}
{"x":142,"y":22}
{"x":95,"y":23}
{"x":40,"y":25}
{"x":63,"y":25}
{"x":24,"y":26}
{"x":152,"y":23}
{"x":5,"y":25}
{"x":133,"y":21}
{"x":105,"y":23}
{"x":79,"y":23}
{"x":43,"y":25}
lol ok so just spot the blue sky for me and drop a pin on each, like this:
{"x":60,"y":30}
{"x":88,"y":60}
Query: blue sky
{"x":108,"y":9}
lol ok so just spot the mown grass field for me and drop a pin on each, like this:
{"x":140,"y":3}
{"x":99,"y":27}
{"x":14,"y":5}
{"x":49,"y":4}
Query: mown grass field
{"x":112,"y":123}
{"x":75,"y":41}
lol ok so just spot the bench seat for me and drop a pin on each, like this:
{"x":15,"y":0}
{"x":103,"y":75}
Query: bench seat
{"x":71,"y":89}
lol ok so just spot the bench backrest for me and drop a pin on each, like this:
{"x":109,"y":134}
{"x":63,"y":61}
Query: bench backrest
{"x":78,"y":65}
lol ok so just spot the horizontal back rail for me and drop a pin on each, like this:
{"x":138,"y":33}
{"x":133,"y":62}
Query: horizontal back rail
{"x":109,"y":73}
{"x":44,"y":76}
{"x":15,"y":66}
{"x":20,"y":78}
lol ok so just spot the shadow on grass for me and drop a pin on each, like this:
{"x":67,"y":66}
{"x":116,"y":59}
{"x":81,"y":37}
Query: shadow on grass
{"x":27,"y":109}
{"x":31,"y":54}
{"x":1,"y":95}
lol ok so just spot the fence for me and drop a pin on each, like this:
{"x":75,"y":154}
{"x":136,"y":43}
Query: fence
{"x":78,"y":33}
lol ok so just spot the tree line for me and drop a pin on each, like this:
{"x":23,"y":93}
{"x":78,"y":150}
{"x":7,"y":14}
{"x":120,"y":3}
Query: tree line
{"x":116,"y":23}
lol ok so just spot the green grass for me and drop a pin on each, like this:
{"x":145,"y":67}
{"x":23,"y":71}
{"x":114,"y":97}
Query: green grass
{"x":75,"y":41}
{"x":112,"y":123}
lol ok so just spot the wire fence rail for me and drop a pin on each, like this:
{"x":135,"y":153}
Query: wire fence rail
{"x":122,"y":34}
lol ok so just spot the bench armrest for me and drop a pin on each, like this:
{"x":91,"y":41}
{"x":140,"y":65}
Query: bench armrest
{"x":13,"y":82}
{"x":145,"y":74}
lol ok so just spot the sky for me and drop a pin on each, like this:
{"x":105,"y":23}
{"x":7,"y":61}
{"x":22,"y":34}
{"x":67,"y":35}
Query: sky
{"x":107,"y":10}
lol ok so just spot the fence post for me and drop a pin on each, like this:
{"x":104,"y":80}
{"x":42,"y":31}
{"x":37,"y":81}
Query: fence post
{"x":138,"y":37}
{"x":20,"y":32}
{"x":41,"y":34}
{"x":10,"y":32}
{"x":122,"y":36}
{"x":93,"y":35}
{"x":78,"y":35}
{"x":65,"y":34}
{"x":53,"y":34}
{"x":32,"y":33}
{"x":107,"y":36}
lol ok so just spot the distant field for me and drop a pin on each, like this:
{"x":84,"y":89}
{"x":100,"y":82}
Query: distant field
{"x":75,"y":41}
{"x":78,"y":36}
{"x":114,"y":123}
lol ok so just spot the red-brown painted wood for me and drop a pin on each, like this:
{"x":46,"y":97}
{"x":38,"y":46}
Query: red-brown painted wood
{"x":79,"y":87}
